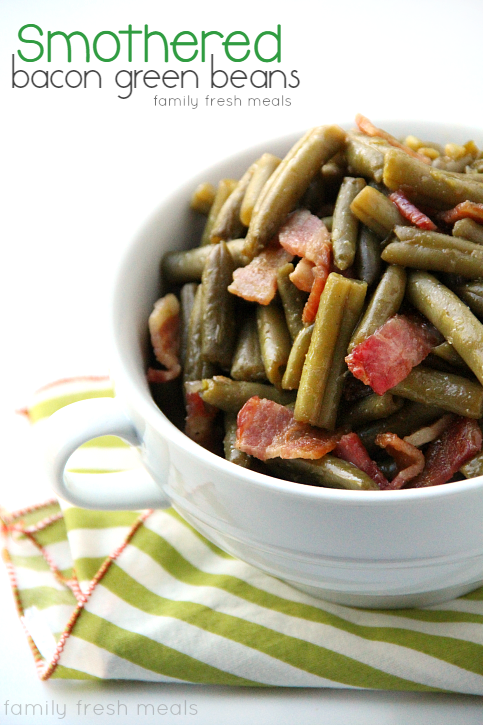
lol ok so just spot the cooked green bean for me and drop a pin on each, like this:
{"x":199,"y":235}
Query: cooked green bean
{"x":364,"y":159}
{"x":450,"y":392}
{"x":195,"y":368}
{"x":447,"y":352}
{"x":187,"y":300}
{"x":473,"y":467}
{"x":203,"y":198}
{"x":472,"y":294}
{"x":469,"y":229}
{"x":373,"y":407}
{"x":229,"y":443}
{"x":344,"y":224}
{"x":293,"y":299}
{"x":376,"y":211}
{"x":322,"y":378}
{"x":450,"y":316}
{"x":223,"y":191}
{"x":218,"y":328}
{"x":288,"y":183}
{"x":436,"y":240}
{"x":181,"y":267}
{"x":429,"y":186}
{"x":329,"y":472}
{"x":275,"y":342}
{"x":264,"y":168}
{"x":450,"y":260}
{"x":368,"y":256}
{"x":385,"y":302}
{"x":295,"y":364}
{"x":231,"y":395}
{"x":247,"y":363}
{"x":411,"y":417}
{"x":228,"y":224}
{"x":328,"y":221}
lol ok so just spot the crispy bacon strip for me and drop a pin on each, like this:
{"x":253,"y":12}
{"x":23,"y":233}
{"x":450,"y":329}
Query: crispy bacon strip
{"x":459,"y":442}
{"x":411,"y":212}
{"x":268,"y":430}
{"x":350,"y":448}
{"x":199,"y":417}
{"x":429,"y":432}
{"x":409,"y":459}
{"x":164,"y":331}
{"x":388,"y":355}
{"x":465,"y":210}
{"x":257,"y":282}
{"x":303,"y":275}
{"x":370,"y":130}
{"x":321,"y":272}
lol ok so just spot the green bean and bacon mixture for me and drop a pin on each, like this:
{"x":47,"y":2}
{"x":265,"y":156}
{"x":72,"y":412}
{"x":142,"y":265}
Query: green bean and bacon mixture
{"x":328,"y":328}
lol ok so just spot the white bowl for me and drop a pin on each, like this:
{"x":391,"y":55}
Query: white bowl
{"x":373,"y":548}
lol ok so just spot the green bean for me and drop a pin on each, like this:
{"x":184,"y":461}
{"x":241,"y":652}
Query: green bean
{"x":450,"y":316}
{"x":436,"y":240}
{"x":364,"y":159}
{"x":295,"y":364}
{"x":247,"y":363}
{"x":293,"y":300}
{"x":275,"y":342}
{"x":228,"y":224}
{"x":469,"y":229}
{"x":203,"y":198}
{"x":264,"y":168}
{"x":473,"y":467}
{"x":368,"y":256}
{"x":384,"y":303}
{"x":472,"y":294}
{"x":187,"y":266}
{"x":229,"y":443}
{"x":187,"y":300}
{"x":447,"y":352}
{"x":429,"y":186}
{"x":328,"y":221}
{"x":231,"y":395}
{"x":376,"y":211}
{"x":345,"y":225}
{"x":328,"y":472}
{"x":288,"y":183}
{"x":450,"y":260}
{"x":411,"y":417}
{"x":223,"y":191}
{"x":450,"y":392}
{"x":218,"y":330}
{"x":373,"y":407}
{"x":195,"y":368}
{"x":322,"y":378}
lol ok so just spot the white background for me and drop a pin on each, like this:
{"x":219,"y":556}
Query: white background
{"x":82,"y":169}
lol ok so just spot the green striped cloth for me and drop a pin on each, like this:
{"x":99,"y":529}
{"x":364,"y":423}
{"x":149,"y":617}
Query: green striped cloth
{"x":143,"y":596}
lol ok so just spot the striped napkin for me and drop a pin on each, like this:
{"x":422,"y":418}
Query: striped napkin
{"x":140,"y":595}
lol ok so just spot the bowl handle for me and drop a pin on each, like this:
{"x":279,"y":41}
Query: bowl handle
{"x":75,"y":424}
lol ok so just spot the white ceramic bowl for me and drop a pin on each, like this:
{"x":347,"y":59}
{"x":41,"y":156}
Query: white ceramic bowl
{"x":374,"y":549}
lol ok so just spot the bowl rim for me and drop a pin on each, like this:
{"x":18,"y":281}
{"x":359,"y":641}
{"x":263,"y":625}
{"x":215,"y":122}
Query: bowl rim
{"x":140,"y":396}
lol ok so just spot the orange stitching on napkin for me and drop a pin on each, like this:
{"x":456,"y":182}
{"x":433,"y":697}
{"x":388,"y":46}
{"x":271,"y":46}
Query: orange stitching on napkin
{"x":49,"y":670}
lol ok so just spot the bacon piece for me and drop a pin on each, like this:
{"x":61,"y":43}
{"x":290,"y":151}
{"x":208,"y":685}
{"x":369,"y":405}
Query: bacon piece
{"x":465,"y":210}
{"x":321,"y":272}
{"x":411,"y":212}
{"x":458,"y":444}
{"x":268,"y":430}
{"x":303,"y":275}
{"x":257,"y":282}
{"x":350,"y":448}
{"x":429,"y":432}
{"x":409,"y":459}
{"x":388,"y":355}
{"x":164,"y":331}
{"x":370,"y":130}
{"x":199,"y":417}
{"x":303,"y":235}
